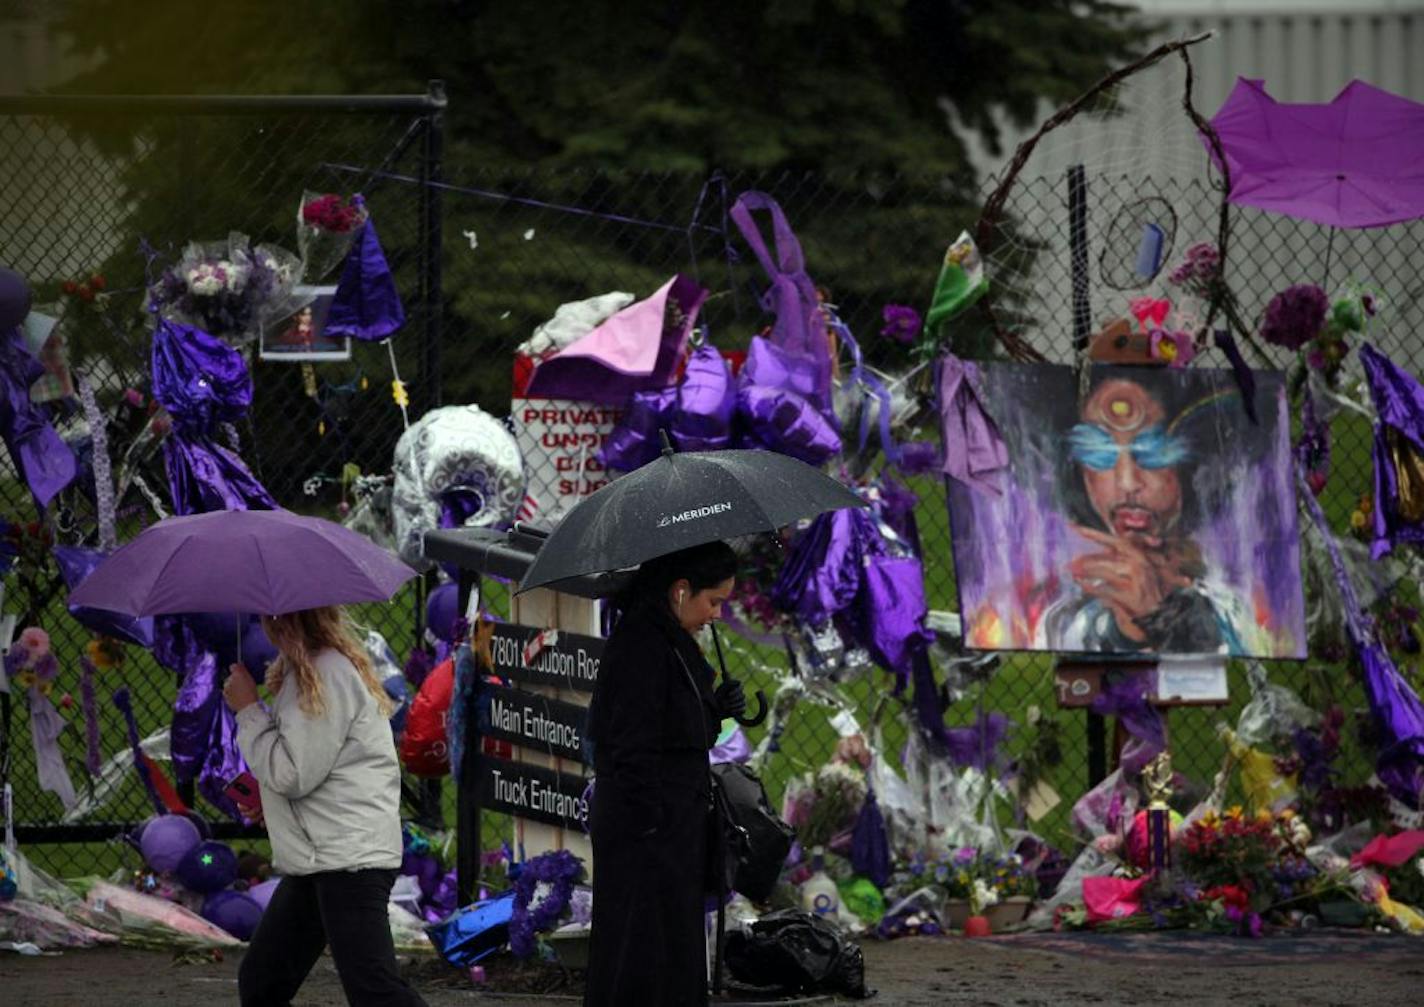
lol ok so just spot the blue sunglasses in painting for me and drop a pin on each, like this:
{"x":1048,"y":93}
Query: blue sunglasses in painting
{"x":1154,"y":448}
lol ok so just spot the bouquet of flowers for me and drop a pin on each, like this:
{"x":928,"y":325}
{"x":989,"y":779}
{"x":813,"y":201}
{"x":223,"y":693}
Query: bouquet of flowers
{"x":327,"y":224}
{"x":226,"y":288}
{"x":968,"y":874}
{"x":1234,"y":851}
{"x":823,"y":805}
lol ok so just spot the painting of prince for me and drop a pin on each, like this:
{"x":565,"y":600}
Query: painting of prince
{"x":1147,"y":513}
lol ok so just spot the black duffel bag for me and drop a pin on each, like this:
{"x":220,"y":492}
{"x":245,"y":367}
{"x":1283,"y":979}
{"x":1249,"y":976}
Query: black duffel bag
{"x":753,"y":841}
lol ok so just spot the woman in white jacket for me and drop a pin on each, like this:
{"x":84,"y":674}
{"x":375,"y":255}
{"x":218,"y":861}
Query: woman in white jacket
{"x":330,"y":790}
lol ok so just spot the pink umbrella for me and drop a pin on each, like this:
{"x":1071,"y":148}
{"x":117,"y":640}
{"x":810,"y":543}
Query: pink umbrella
{"x":1357,"y":161}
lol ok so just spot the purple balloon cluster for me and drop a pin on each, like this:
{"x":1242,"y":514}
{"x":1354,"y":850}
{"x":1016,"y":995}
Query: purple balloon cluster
{"x":173,"y":845}
{"x":770,"y":405}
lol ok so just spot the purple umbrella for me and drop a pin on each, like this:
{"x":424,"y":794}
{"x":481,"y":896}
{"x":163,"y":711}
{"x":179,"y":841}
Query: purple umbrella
{"x":265,"y":561}
{"x":1357,"y":161}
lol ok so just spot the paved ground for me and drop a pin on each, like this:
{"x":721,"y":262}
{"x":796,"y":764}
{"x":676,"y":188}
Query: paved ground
{"x":1324,"y":968}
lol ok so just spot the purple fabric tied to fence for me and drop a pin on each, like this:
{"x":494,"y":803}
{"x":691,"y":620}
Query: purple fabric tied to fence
{"x":367,"y":305}
{"x":870,"y":844}
{"x":203,"y":738}
{"x":634,"y":441}
{"x":203,"y":382}
{"x":977,"y":745}
{"x":800,"y":327}
{"x":974,"y":451}
{"x":1397,"y":710}
{"x":1398,"y":447}
{"x":1124,"y":695}
{"x":706,"y":402}
{"x":40,"y":455}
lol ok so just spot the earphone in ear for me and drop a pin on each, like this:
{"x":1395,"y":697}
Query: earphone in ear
{"x":681,"y":597}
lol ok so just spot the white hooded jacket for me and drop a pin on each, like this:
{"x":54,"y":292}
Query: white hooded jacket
{"x":330,"y":785}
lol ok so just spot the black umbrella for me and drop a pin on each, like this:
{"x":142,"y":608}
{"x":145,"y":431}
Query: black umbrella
{"x":679,"y":501}
{"x":683,"y":500}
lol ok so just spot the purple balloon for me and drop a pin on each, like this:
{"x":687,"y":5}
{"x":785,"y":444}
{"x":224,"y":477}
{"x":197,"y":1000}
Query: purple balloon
{"x":14,"y":299}
{"x":166,"y":840}
{"x":706,"y":400}
{"x":634,"y":441}
{"x":208,"y":867}
{"x":787,"y":422}
{"x":262,"y":893}
{"x":442,"y":611}
{"x":236,"y":912}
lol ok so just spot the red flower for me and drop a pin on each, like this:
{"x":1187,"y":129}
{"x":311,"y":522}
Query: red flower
{"x":98,"y":282}
{"x":69,"y":286}
{"x":1230,"y":895}
{"x":85,"y":294}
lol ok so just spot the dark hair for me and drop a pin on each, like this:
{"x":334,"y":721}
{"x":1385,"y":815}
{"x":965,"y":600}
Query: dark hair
{"x":1199,"y":501}
{"x":703,"y":566}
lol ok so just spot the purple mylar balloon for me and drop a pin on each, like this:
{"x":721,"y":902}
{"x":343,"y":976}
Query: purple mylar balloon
{"x":76,"y":563}
{"x":166,"y":840}
{"x":236,"y":912}
{"x":442,"y":611}
{"x":208,"y":867}
{"x":634,"y":441}
{"x":786,"y":422}
{"x":706,"y":400}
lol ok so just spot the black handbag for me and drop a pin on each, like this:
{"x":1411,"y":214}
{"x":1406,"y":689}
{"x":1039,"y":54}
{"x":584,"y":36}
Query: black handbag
{"x":751,"y":839}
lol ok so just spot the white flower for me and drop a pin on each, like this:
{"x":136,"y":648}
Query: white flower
{"x":1419,"y":864}
{"x":983,"y":896}
{"x":234,"y":276}
{"x":204,"y":280}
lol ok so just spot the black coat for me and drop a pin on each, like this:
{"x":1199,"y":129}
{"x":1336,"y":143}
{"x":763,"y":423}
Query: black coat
{"x":652,"y":721}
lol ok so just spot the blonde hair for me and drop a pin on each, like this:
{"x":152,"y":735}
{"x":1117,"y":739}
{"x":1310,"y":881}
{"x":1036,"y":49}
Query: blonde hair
{"x":299,"y":637}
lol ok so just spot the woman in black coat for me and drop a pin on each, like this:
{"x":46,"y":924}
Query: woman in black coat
{"x":653,"y":719}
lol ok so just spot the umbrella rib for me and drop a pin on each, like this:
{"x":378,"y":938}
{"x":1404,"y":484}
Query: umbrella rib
{"x":158,"y":577}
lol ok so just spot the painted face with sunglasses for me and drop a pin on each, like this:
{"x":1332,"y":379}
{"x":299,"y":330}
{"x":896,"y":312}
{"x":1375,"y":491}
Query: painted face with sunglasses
{"x":1128,"y":460}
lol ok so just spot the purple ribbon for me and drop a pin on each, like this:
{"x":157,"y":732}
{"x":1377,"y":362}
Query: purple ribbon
{"x":870,"y":844}
{"x":1398,"y":713}
{"x":40,"y":455}
{"x":1245,"y":380}
{"x":46,"y":725}
{"x":124,"y":704}
{"x":876,"y":389}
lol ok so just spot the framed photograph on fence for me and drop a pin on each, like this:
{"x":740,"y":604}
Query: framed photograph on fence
{"x":298,"y":336}
{"x":1144,"y":514}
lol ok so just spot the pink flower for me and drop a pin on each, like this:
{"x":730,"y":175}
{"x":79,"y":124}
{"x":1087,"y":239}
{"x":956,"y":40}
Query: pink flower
{"x":35,"y":641}
{"x":133,"y":397}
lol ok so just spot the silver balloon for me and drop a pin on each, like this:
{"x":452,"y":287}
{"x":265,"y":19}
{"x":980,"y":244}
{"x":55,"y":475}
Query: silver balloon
{"x":453,"y":449}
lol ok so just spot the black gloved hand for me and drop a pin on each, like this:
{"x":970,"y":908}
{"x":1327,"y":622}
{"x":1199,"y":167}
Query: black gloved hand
{"x":731,"y":699}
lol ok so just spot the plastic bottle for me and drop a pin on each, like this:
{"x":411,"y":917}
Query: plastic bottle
{"x":819,"y":895}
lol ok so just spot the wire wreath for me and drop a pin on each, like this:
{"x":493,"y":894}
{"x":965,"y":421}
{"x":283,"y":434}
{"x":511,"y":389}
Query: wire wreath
{"x":989,"y":226}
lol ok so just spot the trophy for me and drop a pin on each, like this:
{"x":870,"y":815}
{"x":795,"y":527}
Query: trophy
{"x":1157,"y":781}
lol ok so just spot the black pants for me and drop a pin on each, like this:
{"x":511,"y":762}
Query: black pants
{"x":346,"y":909}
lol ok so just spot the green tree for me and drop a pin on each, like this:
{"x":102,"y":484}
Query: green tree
{"x":844,"y":109}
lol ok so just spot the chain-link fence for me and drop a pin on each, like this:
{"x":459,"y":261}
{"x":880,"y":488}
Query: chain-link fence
{"x":482,"y":257}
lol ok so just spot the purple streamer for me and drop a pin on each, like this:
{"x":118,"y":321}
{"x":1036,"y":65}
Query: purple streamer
{"x":93,"y":760}
{"x":1245,"y":380}
{"x":1397,"y":710}
{"x":40,"y":455}
{"x":1399,"y":403}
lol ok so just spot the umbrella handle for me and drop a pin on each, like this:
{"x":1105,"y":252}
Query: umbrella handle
{"x":757,"y":717}
{"x":745,"y":721}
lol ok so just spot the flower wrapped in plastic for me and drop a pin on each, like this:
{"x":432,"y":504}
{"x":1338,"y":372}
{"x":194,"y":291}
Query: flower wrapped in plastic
{"x":327,"y":224}
{"x":226,"y":288}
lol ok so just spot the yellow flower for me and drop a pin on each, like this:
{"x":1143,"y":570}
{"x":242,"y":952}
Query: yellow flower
{"x":1265,"y":817}
{"x":399,"y":393}
{"x":1236,"y":812}
{"x":1358,"y":520}
{"x":25,"y":678}
{"x":1210,"y":820}
{"x":104,"y":653}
